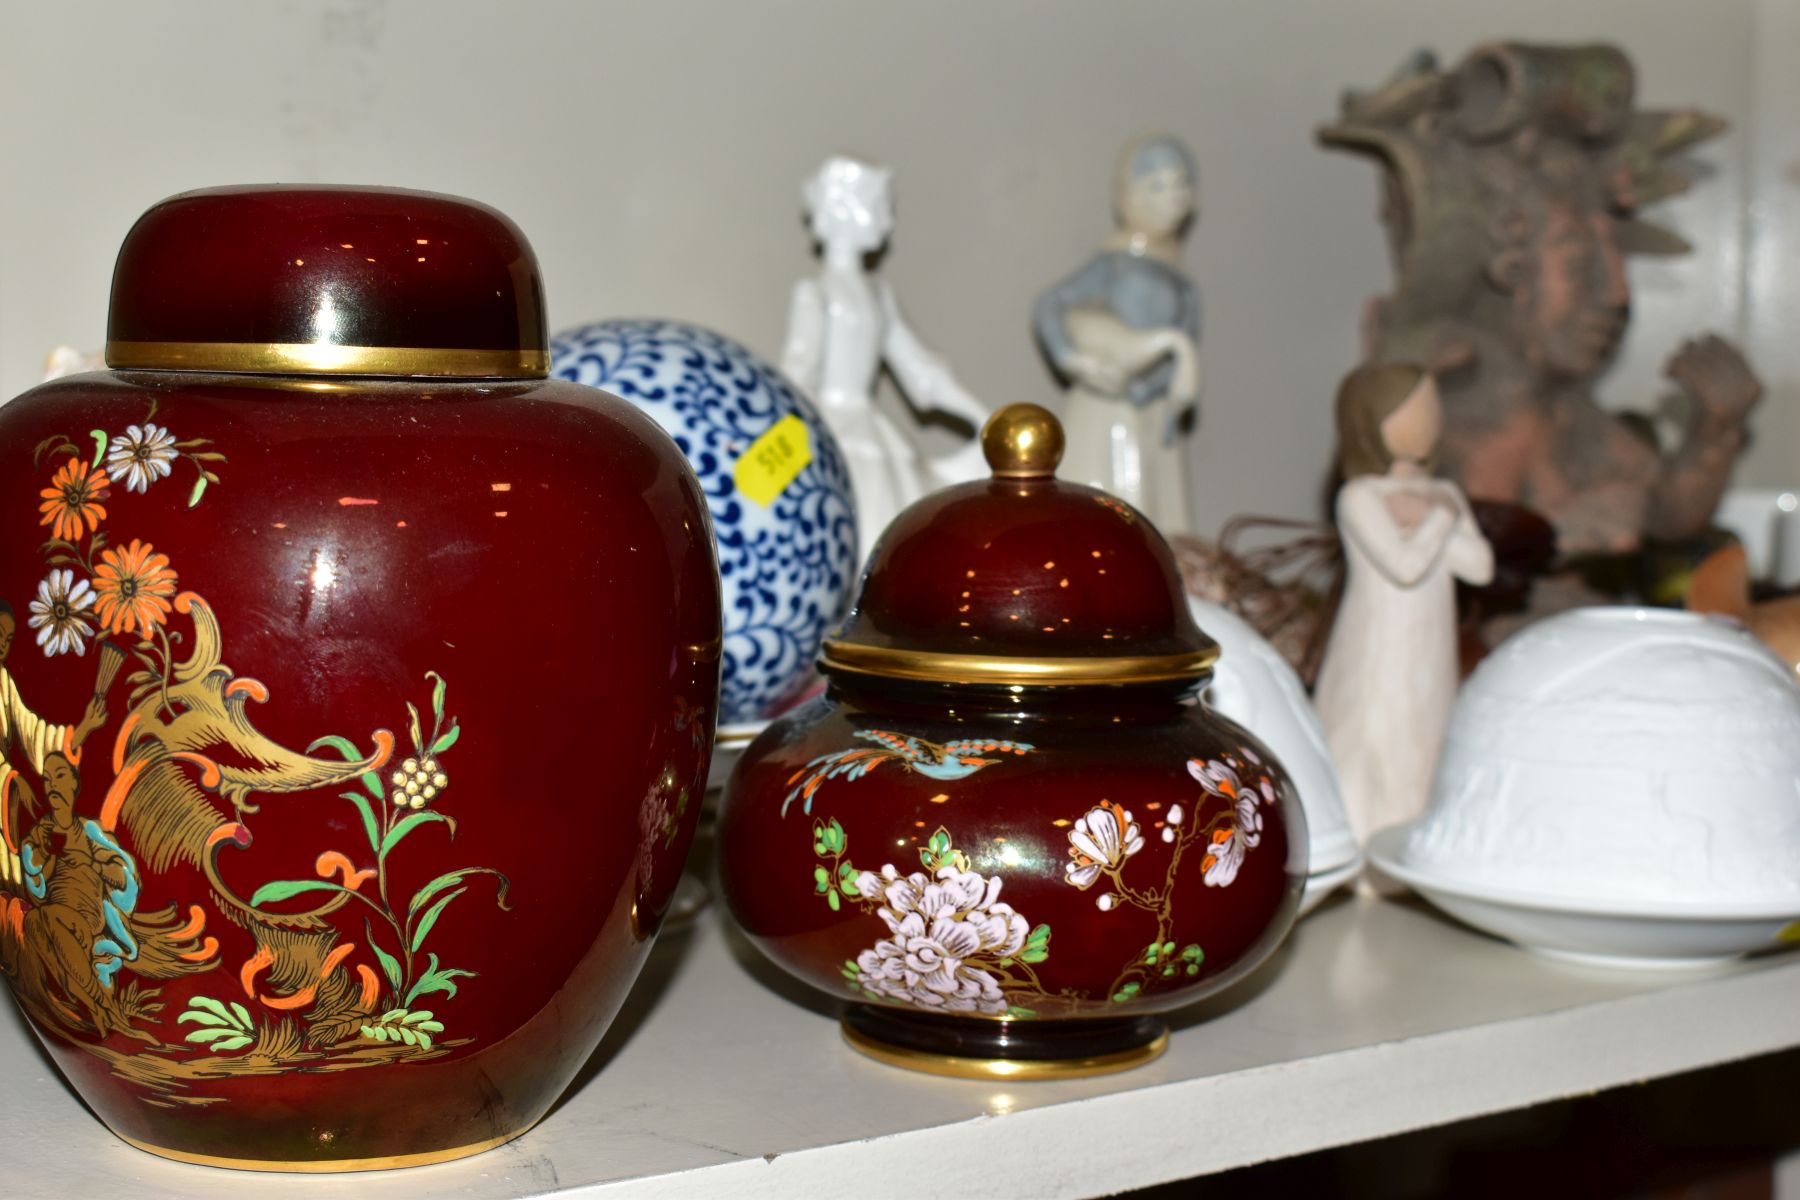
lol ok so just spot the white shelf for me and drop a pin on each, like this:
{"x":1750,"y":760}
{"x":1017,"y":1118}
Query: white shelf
{"x":1378,"y":1017}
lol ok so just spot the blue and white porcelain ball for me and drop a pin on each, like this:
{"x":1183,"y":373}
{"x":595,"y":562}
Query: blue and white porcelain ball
{"x":782,"y":508}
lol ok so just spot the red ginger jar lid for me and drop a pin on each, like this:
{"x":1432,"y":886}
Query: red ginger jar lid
{"x":1021,"y":579}
{"x":327,"y":281}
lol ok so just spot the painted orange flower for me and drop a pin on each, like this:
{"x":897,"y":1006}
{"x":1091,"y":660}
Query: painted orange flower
{"x":134,"y":585}
{"x":73,"y":498}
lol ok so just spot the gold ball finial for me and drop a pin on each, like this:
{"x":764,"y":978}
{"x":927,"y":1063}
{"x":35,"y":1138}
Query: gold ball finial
{"x":1022,"y":441}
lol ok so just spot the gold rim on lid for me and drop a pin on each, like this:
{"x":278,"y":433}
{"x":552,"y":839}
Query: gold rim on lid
{"x":321,"y":358}
{"x":938,"y":667}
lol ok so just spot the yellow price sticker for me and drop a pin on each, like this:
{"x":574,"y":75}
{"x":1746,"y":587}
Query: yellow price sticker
{"x":773,"y":460}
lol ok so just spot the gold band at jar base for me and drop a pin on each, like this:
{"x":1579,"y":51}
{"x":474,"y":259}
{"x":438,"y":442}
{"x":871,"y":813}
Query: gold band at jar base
{"x":1016,"y":1069}
{"x":926,"y":667}
{"x":310,"y":358}
{"x":326,"y":1166}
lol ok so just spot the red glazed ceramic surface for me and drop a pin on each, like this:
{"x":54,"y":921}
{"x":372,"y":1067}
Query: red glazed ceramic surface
{"x":1011,"y":804}
{"x":354,"y":733}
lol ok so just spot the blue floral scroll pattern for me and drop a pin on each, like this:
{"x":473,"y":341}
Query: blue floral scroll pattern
{"x":787,"y":570}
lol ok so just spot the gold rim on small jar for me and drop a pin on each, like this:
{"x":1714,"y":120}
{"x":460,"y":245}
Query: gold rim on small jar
{"x":936,"y":667}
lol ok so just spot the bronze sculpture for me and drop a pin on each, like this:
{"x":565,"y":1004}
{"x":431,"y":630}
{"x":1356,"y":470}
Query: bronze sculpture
{"x":1511,"y":186}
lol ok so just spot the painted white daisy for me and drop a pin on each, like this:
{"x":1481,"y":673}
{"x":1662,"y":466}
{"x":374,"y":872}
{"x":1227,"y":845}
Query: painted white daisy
{"x":140,"y":456}
{"x":61,"y":612}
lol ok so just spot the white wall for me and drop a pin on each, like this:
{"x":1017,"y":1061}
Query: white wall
{"x":653,"y":151}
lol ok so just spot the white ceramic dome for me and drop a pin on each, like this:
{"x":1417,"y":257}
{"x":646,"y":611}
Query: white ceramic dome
{"x":1637,"y":756}
{"x":1254,"y":686}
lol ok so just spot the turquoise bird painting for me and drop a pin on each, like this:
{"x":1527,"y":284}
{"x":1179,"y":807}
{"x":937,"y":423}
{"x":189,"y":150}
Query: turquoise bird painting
{"x":946,"y":761}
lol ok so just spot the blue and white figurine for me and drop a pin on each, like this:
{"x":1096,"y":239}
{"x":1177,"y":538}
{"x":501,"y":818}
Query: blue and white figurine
{"x":775,"y":481}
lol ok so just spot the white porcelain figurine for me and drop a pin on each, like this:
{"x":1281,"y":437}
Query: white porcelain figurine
{"x":1124,"y":331}
{"x":1390,"y":671}
{"x":845,"y":325}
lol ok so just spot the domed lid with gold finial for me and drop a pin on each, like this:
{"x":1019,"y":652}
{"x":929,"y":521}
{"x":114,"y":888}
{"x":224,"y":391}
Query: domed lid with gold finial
{"x":1021,"y":579}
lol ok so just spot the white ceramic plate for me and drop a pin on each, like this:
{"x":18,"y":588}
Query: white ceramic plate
{"x":1659,"y":937}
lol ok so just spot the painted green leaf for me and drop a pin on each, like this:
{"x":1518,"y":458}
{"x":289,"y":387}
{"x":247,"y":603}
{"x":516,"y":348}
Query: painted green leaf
{"x":430,"y":1026}
{"x":409,"y":823}
{"x":821,"y":880}
{"x":225,"y":1045}
{"x":200,"y":1036}
{"x":414,"y":1018}
{"x":210,"y":1005}
{"x":199,"y":491}
{"x":371,"y":826}
{"x":424,"y":1040}
{"x":407,"y":1036}
{"x":1127,"y":992}
{"x":390,"y":1014}
{"x":100,"y":444}
{"x":342,"y":745}
{"x":451,"y":879}
{"x":831,"y":898}
{"x":389,"y":965}
{"x":372,"y":781}
{"x":1037,"y":946}
{"x":283,"y":889}
{"x":431,"y":916}
{"x":202,"y":1018}
{"x":425,"y":975}
{"x":220,"y":1021}
{"x":448,"y":740}
{"x":437,"y":693}
{"x":436,"y":979}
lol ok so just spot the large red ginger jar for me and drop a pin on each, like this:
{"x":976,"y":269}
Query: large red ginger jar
{"x":1010,"y":834}
{"x":356,"y":688}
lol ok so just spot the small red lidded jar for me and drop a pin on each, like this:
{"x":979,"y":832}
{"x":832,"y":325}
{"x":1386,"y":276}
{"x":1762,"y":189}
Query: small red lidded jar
{"x":356,"y":688}
{"x":1010,"y":833}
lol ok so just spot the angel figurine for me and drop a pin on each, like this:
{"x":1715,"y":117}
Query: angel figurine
{"x":1391,"y":665}
{"x":844,"y":326}
{"x":1124,"y":331}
